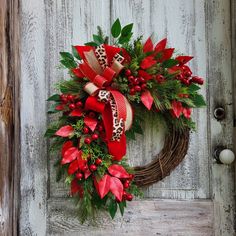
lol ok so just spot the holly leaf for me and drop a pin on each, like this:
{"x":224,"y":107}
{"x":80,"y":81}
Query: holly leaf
{"x":65,"y":131}
{"x":118,"y":171}
{"x":98,"y":39}
{"x":67,"y":56}
{"x":112,"y":208}
{"x":170,"y":63}
{"x":127,"y":30}
{"x":122,"y":207}
{"x":116,"y":28}
{"x":53,"y":109}
{"x":193,"y":88}
{"x":68,"y":63}
{"x":198,"y":100}
{"x":54,"y":97}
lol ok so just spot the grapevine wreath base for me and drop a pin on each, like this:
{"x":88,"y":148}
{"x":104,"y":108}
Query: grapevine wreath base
{"x":174,"y":150}
{"x":101,"y":106}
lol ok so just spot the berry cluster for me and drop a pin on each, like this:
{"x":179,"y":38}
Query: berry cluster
{"x":136,"y":84}
{"x":186,"y":77}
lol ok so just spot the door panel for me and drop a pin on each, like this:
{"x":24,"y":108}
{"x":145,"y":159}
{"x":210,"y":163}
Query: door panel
{"x":200,"y":28}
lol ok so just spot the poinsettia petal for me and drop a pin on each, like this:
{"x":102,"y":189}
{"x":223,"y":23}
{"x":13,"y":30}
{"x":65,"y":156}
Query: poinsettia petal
{"x":70,"y":155}
{"x":65,"y":131}
{"x":73,"y":167}
{"x":118,"y":171}
{"x":87,"y":173}
{"x":103,"y":186}
{"x":147,"y":99}
{"x":183,"y":59}
{"x":116,"y":187}
{"x":148,"y":62}
{"x":66,"y":146}
{"x":90,"y":122}
{"x":167,"y":54}
{"x":161,"y":45}
{"x":76,"y":188}
{"x":126,"y":55}
{"x":144,"y":74}
{"x":148,"y":46}
{"x":177,"y":108}
{"x":187,"y":112}
{"x":76,"y":112}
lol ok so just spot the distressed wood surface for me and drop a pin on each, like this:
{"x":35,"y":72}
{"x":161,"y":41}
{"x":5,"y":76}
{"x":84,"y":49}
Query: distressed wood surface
{"x":9,"y":116}
{"x":220,"y":94}
{"x":146,"y":217}
{"x":49,"y":27}
{"x":33,"y":119}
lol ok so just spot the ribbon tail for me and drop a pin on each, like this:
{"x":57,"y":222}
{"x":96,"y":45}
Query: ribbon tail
{"x":117,"y":148}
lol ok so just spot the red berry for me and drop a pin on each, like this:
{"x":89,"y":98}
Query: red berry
{"x":95,"y":136}
{"x":188,"y":73}
{"x":92,"y":114}
{"x":131,"y":176}
{"x":137,"y":88}
{"x":124,"y":194}
{"x":128,"y":72}
{"x":196,"y":79}
{"x":87,"y":140}
{"x":143,"y":86}
{"x":79,"y":104}
{"x":98,"y":161}
{"x":93,"y":167}
{"x":131,"y":78}
{"x":142,"y":80}
{"x":160,"y":78}
{"x":136,"y":81}
{"x":129,"y":197}
{"x":84,"y":168}
{"x":186,"y":82}
{"x":100,"y":128}
{"x":72,"y":106}
{"x":70,"y":97}
{"x":79,"y":175}
{"x":132,"y":91}
{"x":126,"y":184}
{"x":85,"y":130}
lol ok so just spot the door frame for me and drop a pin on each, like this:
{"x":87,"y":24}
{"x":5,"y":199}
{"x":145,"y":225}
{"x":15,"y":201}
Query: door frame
{"x":9,"y":116}
{"x":10,"y":19}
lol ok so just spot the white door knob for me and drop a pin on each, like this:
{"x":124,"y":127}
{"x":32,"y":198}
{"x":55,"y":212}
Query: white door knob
{"x":226,"y":156}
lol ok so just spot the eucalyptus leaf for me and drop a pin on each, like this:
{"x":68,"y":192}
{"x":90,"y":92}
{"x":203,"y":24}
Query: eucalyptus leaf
{"x":116,"y":28}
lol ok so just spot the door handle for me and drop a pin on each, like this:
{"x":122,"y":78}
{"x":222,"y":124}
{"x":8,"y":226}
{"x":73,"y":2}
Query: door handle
{"x":224,"y":156}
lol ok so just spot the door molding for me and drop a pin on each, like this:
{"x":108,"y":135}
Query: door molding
{"x":9,"y":116}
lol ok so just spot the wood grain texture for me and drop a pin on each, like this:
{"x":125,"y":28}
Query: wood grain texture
{"x":9,"y":116}
{"x":33,"y":119}
{"x":146,"y":217}
{"x":218,"y":23}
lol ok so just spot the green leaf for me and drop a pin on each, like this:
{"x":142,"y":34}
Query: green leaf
{"x":125,"y":39}
{"x":50,"y":132}
{"x":75,"y":53}
{"x":93,"y":44}
{"x":98,"y":39}
{"x":112,"y":208}
{"x":122,"y":207}
{"x":66,"y":56}
{"x":198,"y":100}
{"x":116,"y":28}
{"x":54,"y":97}
{"x":68,"y":63}
{"x":193,"y":88}
{"x":169,"y":63}
{"x":127,"y":30}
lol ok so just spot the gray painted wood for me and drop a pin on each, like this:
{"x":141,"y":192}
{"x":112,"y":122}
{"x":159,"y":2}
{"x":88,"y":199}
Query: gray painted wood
{"x":49,"y":27}
{"x":146,"y":217}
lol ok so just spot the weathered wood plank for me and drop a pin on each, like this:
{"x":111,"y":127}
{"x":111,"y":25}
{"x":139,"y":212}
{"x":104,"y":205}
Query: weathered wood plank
{"x":9,"y":116}
{"x":146,"y":217}
{"x":33,"y":119}
{"x":218,"y":25}
{"x":183,"y":23}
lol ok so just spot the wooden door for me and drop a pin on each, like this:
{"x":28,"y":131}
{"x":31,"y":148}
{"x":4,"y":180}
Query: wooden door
{"x":198,"y":197}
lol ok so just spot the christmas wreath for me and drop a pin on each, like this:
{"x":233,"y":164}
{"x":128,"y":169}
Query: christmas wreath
{"x":101,"y":106}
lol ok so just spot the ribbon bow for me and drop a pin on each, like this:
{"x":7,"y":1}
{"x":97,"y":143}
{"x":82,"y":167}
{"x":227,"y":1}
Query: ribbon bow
{"x":101,"y":65}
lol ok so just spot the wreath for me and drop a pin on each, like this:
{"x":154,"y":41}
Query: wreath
{"x":102,"y":105}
